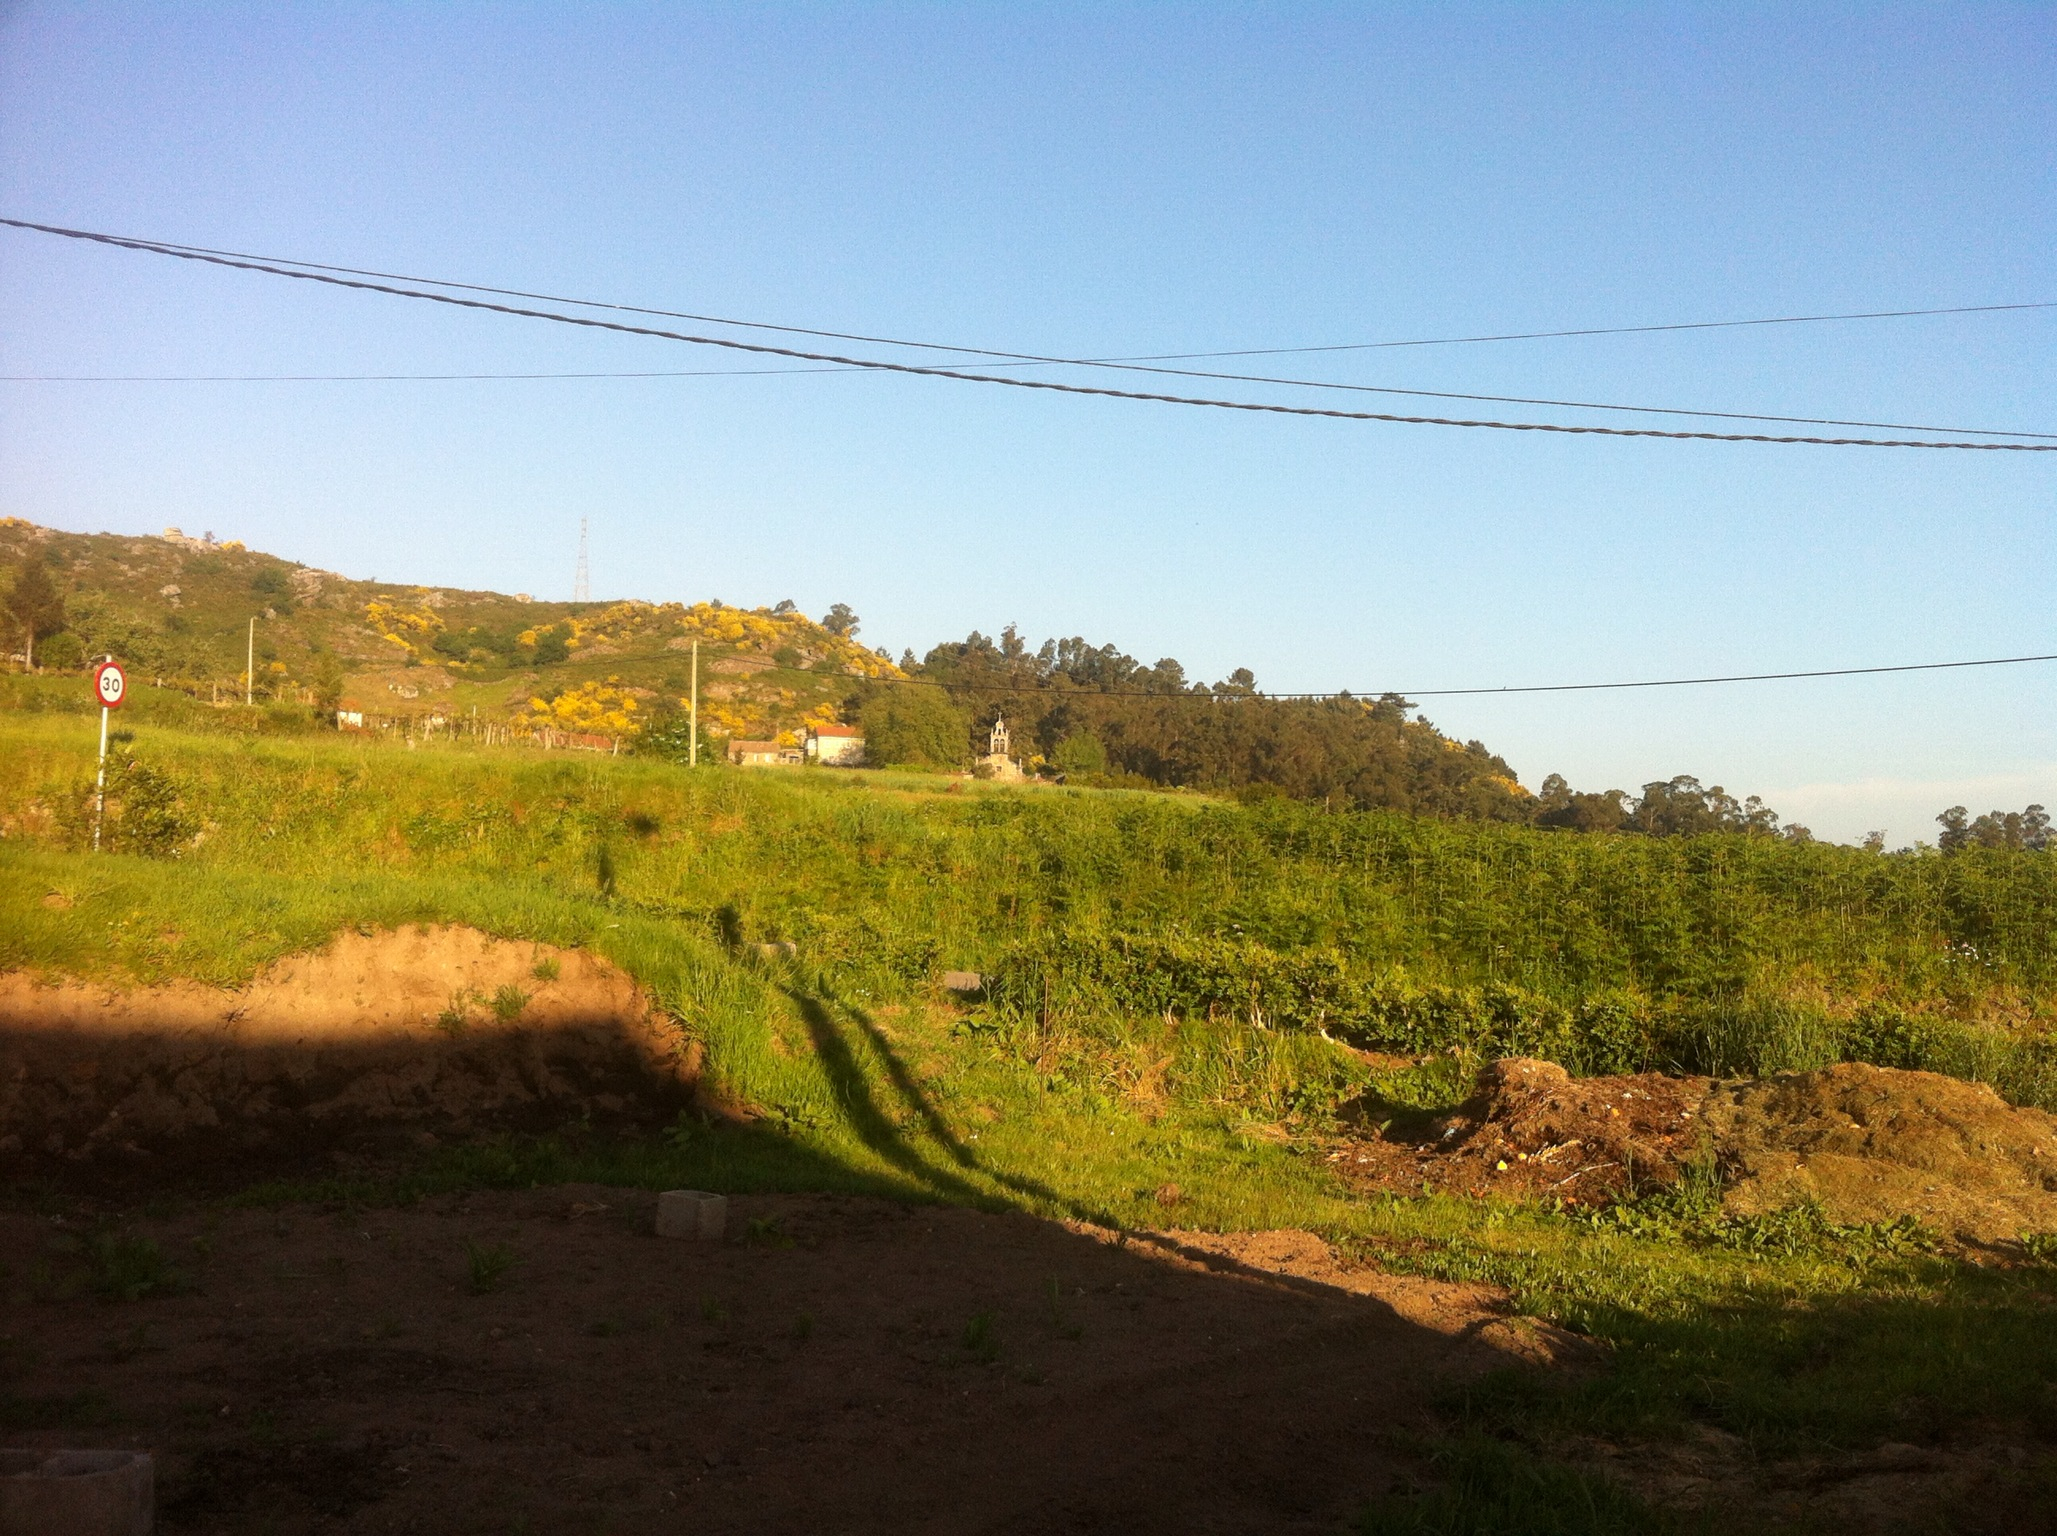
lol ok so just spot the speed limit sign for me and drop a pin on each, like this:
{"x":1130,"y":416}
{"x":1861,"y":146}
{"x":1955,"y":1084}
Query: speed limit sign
{"x":110,"y":684}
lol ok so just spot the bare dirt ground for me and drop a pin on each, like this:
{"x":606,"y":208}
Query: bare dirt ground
{"x":373,"y":1032}
{"x":835,"y":1365}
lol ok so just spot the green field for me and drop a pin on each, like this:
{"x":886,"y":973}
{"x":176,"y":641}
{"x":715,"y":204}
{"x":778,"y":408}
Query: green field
{"x":1175,"y":985}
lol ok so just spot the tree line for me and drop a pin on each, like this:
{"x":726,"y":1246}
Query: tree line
{"x":1094,"y":714}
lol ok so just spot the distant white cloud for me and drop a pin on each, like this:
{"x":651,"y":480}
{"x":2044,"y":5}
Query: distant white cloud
{"x":1905,"y":809}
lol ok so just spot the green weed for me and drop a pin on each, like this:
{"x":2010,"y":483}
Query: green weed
{"x":128,"y":1268}
{"x":545,"y":969}
{"x":508,"y":1002}
{"x":487,"y":1265}
{"x":1490,"y":1488}
{"x":455,"y":1018}
{"x":981,"y":1338}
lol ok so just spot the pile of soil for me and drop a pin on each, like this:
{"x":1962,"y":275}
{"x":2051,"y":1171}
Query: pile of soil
{"x":1864,"y":1143}
{"x":1872,"y":1144}
{"x":836,"y":1365}
{"x":439,"y":1026}
{"x":1531,"y":1130}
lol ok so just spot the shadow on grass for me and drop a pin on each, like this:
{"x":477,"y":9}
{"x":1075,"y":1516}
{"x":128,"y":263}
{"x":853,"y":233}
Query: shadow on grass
{"x":963,"y":1179}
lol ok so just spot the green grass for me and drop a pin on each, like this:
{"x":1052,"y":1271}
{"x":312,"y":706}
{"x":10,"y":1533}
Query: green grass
{"x":1491,"y":1488}
{"x":1166,"y":974}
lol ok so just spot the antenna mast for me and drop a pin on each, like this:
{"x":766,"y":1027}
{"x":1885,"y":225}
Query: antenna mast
{"x":582,"y":583}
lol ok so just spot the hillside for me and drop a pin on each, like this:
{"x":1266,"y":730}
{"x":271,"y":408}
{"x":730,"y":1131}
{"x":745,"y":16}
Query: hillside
{"x":175,"y":609}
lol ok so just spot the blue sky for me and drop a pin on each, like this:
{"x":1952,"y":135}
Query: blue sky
{"x":1111,"y":181}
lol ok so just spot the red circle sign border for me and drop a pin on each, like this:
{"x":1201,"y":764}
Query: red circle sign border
{"x":121,"y":687}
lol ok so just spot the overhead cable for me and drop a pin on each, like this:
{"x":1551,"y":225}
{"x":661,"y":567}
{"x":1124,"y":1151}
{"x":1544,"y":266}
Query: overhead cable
{"x":1373,"y":695}
{"x":1014,"y":359}
{"x":1147,"y":357}
{"x":963,"y":376}
{"x":752,"y":373}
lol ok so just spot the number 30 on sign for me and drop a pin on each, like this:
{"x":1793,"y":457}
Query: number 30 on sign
{"x":110,"y":684}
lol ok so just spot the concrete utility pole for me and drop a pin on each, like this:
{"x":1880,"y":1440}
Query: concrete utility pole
{"x":693,"y":714}
{"x":250,"y":663}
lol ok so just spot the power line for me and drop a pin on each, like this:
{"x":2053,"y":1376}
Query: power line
{"x":588,"y":322}
{"x":1141,"y":364}
{"x":1372,"y":695}
{"x":1601,"y":330}
{"x":405,"y":378}
{"x":1032,"y":357}
{"x":751,"y":373}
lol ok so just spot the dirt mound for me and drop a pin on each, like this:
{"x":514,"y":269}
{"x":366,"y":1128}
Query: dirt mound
{"x":1864,"y":1143}
{"x":440,"y":1026}
{"x":1532,"y":1129}
{"x":1873,"y":1144}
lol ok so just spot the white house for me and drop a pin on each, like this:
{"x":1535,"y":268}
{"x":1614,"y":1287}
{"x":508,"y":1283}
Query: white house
{"x":835,"y":746}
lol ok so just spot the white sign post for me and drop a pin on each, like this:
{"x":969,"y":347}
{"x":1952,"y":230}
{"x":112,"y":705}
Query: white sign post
{"x":110,"y":687}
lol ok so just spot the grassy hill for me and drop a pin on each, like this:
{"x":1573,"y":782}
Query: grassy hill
{"x":176,"y":610}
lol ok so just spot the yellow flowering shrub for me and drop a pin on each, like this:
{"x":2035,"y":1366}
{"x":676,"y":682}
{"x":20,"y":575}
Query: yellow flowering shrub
{"x":753,"y":631}
{"x":395,"y":625}
{"x":598,"y":709}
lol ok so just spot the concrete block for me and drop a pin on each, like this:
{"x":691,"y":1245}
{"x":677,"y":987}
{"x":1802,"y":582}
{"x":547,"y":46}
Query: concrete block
{"x":77,"y":1493}
{"x":963,"y":982}
{"x":692,"y":1213}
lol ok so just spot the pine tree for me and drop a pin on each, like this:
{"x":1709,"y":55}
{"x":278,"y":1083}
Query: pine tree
{"x":33,"y":605}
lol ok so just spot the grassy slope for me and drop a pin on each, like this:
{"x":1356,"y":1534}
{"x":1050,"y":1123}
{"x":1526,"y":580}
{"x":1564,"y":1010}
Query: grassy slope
{"x":1790,"y":1336}
{"x":114,"y":587}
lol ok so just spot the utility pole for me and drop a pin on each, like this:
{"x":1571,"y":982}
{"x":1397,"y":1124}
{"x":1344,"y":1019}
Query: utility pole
{"x":693,"y":714}
{"x":250,"y":663}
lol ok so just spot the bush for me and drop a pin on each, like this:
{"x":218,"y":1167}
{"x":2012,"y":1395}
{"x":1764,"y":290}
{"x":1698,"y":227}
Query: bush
{"x":915,"y":727}
{"x":145,"y":813}
{"x":151,"y":819}
{"x":1081,"y":752}
{"x":63,"y":653}
{"x":669,"y":735}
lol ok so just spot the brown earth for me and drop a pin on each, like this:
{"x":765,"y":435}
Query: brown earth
{"x":1531,"y":1130}
{"x":836,"y":1365}
{"x":429,"y":1026}
{"x":1867,"y":1144}
{"x":1871,"y":1144}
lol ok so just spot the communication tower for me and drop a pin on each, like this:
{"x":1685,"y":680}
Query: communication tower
{"x":581,"y":582}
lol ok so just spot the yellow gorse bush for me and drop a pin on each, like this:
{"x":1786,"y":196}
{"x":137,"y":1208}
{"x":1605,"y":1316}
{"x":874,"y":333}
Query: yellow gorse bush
{"x":399,"y":627}
{"x":598,"y":709}
{"x":757,"y":631}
